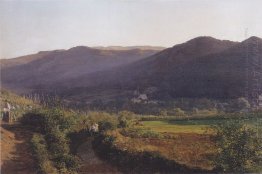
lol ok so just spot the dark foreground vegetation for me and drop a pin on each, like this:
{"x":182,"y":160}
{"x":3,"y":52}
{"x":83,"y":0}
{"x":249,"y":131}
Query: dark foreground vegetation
{"x":124,"y":141}
{"x":224,"y":142}
{"x":50,"y":142}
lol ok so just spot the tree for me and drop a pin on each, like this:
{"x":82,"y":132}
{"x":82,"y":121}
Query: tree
{"x":179,"y":112}
{"x":240,"y":104}
{"x":106,"y":125}
{"x":238,"y":147}
{"x":163,"y":112}
{"x":125,"y":119}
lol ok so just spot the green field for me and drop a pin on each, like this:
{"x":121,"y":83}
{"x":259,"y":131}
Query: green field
{"x":199,"y":126}
{"x":170,"y":127}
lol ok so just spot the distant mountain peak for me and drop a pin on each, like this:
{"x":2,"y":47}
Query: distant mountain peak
{"x":203,"y":38}
{"x":206,"y":40}
{"x":80,"y":48}
{"x":253,"y":39}
{"x":144,"y":47}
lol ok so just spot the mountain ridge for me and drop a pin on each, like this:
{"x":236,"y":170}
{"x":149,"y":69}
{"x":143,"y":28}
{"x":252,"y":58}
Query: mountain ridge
{"x":201,"y":67}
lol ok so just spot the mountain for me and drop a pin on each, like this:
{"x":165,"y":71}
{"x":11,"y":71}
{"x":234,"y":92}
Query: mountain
{"x":157,"y":48}
{"x":201,"y":67}
{"x":47,"y":67}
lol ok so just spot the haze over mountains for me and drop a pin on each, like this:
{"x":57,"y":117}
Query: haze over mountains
{"x":201,"y":67}
{"x":47,"y":67}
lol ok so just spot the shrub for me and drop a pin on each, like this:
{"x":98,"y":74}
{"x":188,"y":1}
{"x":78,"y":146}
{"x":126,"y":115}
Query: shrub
{"x":67,"y":163}
{"x":57,"y":142}
{"x":56,"y":118}
{"x":239,"y":105}
{"x":126,"y":119}
{"x":179,"y":112}
{"x":140,"y":133}
{"x":106,"y":125}
{"x":41,"y":155}
{"x":238,"y":147}
{"x":55,"y":125}
{"x":35,"y":120}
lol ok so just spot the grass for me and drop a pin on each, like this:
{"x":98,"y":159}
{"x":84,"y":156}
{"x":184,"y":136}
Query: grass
{"x":199,"y":126}
{"x":172,"y":127}
{"x":190,"y":149}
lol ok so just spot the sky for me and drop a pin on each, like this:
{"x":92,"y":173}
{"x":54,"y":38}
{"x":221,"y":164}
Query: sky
{"x":29,"y":26}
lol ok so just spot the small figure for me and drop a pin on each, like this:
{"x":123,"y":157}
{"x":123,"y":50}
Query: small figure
{"x":7,"y":113}
{"x":94,"y":128}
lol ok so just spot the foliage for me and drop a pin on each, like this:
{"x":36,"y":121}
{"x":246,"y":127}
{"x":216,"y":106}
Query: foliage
{"x":54,"y":124}
{"x":95,"y":117}
{"x":140,"y":132}
{"x":106,"y":125}
{"x":45,"y":120}
{"x":41,"y":155}
{"x":125,"y":119}
{"x":238,"y":105}
{"x":57,"y":142}
{"x":239,"y":148}
{"x":35,"y":119}
{"x":179,"y":112}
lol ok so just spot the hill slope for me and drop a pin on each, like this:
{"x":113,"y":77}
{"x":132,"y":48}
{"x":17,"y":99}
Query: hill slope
{"x":46,"y":68}
{"x":201,"y":67}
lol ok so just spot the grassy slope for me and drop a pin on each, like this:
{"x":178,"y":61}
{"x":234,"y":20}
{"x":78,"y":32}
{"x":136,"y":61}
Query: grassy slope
{"x":20,"y":104}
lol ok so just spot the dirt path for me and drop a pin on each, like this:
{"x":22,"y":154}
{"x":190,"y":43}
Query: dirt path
{"x":16,"y":157}
{"x":90,"y":162}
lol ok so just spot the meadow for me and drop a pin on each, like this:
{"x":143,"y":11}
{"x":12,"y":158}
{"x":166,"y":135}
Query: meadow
{"x":188,"y":142}
{"x":173,"y":127}
{"x":199,"y":126}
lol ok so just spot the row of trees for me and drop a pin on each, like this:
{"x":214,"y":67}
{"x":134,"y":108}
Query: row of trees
{"x":186,"y":105}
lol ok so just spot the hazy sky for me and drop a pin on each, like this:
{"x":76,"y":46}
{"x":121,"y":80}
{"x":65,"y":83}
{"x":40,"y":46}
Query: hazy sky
{"x":30,"y":26}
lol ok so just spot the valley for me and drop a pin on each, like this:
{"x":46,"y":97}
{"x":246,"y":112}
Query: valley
{"x":132,"y":110}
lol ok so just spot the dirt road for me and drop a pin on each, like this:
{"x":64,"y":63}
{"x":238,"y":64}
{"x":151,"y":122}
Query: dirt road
{"x":16,"y":157}
{"x":90,"y":162}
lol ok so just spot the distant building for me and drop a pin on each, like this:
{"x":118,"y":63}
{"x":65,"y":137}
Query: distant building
{"x":135,"y":100}
{"x":142,"y":97}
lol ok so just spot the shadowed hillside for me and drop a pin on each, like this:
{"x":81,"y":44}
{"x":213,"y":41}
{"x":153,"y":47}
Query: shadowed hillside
{"x":201,"y":67}
{"x":46,"y":68}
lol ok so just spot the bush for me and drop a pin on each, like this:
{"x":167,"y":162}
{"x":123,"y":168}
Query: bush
{"x":57,"y":142}
{"x":41,"y":155}
{"x":67,"y":163}
{"x":126,"y":119}
{"x":239,"y":105}
{"x":35,"y":120}
{"x":179,"y":112}
{"x":140,"y":133}
{"x":238,"y":147}
{"x":55,"y":125}
{"x":56,"y":118}
{"x":106,"y":125}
